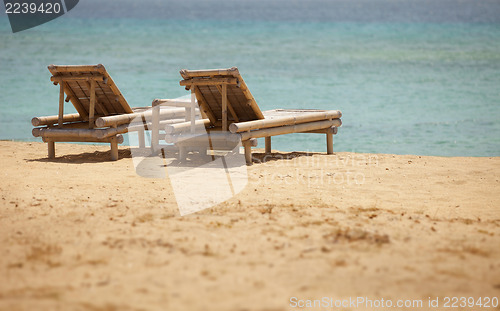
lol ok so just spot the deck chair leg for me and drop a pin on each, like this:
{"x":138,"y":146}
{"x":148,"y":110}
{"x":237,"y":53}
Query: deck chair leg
{"x":155,"y":133}
{"x":182,"y":153}
{"x":247,"y":144}
{"x":268,"y":145}
{"x":142,"y":141}
{"x":329,"y":141}
{"x":114,"y":149}
{"x":52,"y":149}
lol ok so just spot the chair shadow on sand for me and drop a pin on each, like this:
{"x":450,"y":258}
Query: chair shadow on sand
{"x":193,"y":160}
{"x":86,"y":157}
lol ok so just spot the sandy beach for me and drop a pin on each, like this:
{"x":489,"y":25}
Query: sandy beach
{"x":83,"y":233}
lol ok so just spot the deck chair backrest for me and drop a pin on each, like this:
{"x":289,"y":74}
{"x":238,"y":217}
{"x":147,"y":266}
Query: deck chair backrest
{"x":208,"y":86}
{"x":77,"y":82}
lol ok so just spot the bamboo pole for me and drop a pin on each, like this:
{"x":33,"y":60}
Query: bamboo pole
{"x":71,"y":125}
{"x":49,"y":120}
{"x":185,"y":126}
{"x":103,"y":133}
{"x":98,"y":108}
{"x":119,"y":139}
{"x":136,"y":127}
{"x":323,"y":131}
{"x":233,"y":71}
{"x":303,"y":127}
{"x":92,"y":104}
{"x":129,"y":117}
{"x":177,"y":103}
{"x":329,"y":141}
{"x":172,"y":103}
{"x":163,"y":123}
{"x":61,"y":105}
{"x":58,"y":132}
{"x":192,"y":111}
{"x":114,"y":149}
{"x":253,"y":142}
{"x":224,"y":107}
{"x":285,"y":120}
{"x":211,"y":81}
{"x":76,"y":68}
{"x":268,"y":145}
{"x":248,"y":151}
{"x":51,"y":149}
{"x":78,"y":133}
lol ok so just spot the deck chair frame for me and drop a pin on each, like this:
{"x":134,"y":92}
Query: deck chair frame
{"x":228,"y":106}
{"x":103,"y":113}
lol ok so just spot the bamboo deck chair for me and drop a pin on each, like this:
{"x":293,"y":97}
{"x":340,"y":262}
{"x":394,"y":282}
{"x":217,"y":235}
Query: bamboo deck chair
{"x":102,"y":115}
{"x":228,"y":106}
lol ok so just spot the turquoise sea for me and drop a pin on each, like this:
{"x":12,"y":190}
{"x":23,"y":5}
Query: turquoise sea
{"x":411,"y":77}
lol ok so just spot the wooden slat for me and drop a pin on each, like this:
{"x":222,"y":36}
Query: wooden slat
{"x":99,"y":108}
{"x":75,"y":100}
{"x":224,"y":107}
{"x":61,"y":105}
{"x":92,"y":104}
{"x":209,"y":72}
{"x":203,"y":105}
{"x":117,"y":92}
{"x":233,"y":96}
{"x":107,"y":95}
{"x":83,"y":77}
{"x":77,"y":89}
{"x":251,"y":100}
{"x":214,"y":99}
{"x":213,"y":81}
{"x":229,"y":106}
{"x":76,"y":68}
